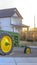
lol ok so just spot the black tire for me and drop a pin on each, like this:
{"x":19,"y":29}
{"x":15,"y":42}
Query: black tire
{"x":27,"y":50}
{"x":6,"y":34}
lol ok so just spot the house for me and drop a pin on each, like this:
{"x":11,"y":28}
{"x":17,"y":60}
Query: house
{"x":11,"y":22}
{"x":10,"y":19}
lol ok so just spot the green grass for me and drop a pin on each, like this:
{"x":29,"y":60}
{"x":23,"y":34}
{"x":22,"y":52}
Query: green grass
{"x":26,"y":43}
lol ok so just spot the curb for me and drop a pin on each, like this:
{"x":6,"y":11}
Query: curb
{"x":32,"y":46}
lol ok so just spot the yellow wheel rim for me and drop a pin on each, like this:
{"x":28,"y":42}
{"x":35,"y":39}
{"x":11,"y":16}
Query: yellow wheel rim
{"x":28,"y":51}
{"x":6,"y":44}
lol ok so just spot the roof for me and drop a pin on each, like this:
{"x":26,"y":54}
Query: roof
{"x":20,"y":25}
{"x":25,"y":25}
{"x":9,"y":12}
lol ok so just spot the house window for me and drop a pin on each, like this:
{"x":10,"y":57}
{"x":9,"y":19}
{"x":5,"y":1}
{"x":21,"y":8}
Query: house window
{"x":16,"y":21}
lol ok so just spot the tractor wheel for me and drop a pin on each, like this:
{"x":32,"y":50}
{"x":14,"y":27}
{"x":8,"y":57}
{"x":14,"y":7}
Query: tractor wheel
{"x":27,"y":50}
{"x":6,"y":44}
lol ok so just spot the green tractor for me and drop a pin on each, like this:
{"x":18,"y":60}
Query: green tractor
{"x":7,"y":42}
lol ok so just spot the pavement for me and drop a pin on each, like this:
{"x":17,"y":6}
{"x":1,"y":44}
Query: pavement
{"x":18,"y":61}
{"x":17,"y":57}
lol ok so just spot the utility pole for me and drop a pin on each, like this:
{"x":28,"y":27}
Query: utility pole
{"x":34,"y":30}
{"x":34,"y":22}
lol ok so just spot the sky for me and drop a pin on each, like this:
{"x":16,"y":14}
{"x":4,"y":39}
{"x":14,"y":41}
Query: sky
{"x":27,"y":8}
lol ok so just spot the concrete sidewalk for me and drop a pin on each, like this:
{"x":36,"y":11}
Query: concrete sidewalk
{"x":18,"y":61}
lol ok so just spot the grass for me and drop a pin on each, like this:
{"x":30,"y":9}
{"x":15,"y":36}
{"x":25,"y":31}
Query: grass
{"x":26,"y":43}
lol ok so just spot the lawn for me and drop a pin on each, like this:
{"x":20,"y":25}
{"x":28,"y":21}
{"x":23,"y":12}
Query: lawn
{"x":26,"y":43}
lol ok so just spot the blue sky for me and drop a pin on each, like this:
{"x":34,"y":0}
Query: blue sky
{"x":27,"y":8}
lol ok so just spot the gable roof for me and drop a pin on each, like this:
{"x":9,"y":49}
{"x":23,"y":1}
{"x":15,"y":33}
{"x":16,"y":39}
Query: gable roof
{"x":9,"y":12}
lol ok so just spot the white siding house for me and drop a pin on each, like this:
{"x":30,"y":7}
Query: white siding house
{"x":12,"y":22}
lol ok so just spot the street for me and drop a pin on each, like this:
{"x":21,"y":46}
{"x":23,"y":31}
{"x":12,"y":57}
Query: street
{"x":19,"y":52}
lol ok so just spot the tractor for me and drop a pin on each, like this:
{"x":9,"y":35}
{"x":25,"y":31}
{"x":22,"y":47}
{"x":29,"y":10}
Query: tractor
{"x":7,"y":42}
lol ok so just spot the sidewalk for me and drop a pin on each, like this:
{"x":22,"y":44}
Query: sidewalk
{"x":18,"y":61}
